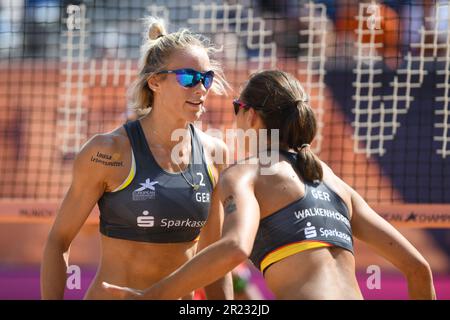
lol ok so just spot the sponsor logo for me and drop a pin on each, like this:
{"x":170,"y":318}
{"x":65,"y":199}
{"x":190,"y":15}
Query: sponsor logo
{"x":37,"y":212}
{"x":310,"y":231}
{"x":145,"y":221}
{"x":168,"y":223}
{"x":146,"y":192}
{"x":335,"y":234}
{"x":434,"y":218}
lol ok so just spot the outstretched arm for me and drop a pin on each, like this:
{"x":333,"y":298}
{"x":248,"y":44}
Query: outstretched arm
{"x":369,"y":227}
{"x":240,"y":225}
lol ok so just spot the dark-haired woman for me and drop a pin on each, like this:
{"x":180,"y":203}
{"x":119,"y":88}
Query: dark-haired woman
{"x":295,"y":219}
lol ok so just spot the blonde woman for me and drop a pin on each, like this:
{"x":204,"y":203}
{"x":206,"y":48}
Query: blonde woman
{"x":153,"y":206}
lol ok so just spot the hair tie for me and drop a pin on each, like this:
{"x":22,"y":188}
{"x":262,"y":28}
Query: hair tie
{"x":305,"y":99}
{"x":305,"y":145}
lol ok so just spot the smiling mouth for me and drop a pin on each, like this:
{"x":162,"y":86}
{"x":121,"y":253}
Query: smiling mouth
{"x":195,"y":103}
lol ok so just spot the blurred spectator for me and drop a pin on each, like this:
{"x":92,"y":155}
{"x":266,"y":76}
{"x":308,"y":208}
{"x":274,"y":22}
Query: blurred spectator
{"x":42,"y":21}
{"x":432,"y":15}
{"x":11,"y":35}
{"x":437,"y":15}
{"x":282,"y":18}
{"x":389,"y":23}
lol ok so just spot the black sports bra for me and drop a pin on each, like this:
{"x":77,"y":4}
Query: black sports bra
{"x":153,"y":205}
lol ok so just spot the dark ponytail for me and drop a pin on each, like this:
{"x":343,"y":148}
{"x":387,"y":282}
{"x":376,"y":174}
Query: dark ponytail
{"x":282,"y":104}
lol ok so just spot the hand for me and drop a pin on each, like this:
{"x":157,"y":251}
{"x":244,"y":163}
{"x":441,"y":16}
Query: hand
{"x":124,"y":293}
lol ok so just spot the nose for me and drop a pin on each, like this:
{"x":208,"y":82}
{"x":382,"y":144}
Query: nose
{"x":200,"y":88}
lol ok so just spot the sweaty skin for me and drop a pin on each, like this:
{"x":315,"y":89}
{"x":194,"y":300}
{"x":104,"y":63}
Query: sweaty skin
{"x":292,"y":277}
{"x":323,"y":273}
{"x":132,"y":263}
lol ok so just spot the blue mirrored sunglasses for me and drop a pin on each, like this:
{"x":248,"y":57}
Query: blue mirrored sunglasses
{"x":190,"y":77}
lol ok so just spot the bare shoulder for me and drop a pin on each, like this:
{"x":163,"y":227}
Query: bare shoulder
{"x":335,"y":181}
{"x":337,"y":184}
{"x":114,"y":141}
{"x":238,"y":174}
{"x":104,"y":148}
{"x":326,"y":169}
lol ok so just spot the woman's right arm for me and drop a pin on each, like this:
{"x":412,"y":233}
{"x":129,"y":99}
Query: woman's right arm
{"x":86,"y":188}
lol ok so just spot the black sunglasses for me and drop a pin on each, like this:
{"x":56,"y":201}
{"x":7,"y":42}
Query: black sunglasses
{"x":238,"y":105}
{"x":190,"y":78}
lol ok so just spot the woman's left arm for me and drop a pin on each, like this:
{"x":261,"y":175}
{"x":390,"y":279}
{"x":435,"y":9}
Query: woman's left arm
{"x":241,"y":220}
